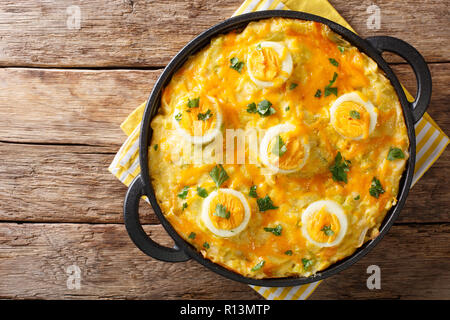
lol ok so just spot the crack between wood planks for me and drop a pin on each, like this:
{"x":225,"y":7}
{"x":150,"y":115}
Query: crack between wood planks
{"x":72,"y":222}
{"x":87,"y":68}
{"x":63,"y":144}
{"x":428,"y":62}
{"x":431,"y":223}
{"x":143,"y":68}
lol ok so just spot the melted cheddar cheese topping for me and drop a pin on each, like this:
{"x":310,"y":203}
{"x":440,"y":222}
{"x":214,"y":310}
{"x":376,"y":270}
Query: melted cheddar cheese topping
{"x":275,"y":144}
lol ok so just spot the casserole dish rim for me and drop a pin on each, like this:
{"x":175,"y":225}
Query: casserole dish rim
{"x":372,"y":47}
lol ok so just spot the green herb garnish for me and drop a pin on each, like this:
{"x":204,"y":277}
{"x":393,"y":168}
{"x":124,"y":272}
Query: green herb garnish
{"x":221,"y":211}
{"x":332,"y":81}
{"x":183,"y":193}
{"x":265,"y":204}
{"x":307,"y":263}
{"x":395,"y":153}
{"x":258,"y":47}
{"x":178,"y":116}
{"x":376,"y":188}
{"x":185,"y":205}
{"x":219,"y":175}
{"x":259,"y":265}
{"x":318,"y":93}
{"x":204,"y":116}
{"x":279,"y":147}
{"x":276,"y":231}
{"x":340,"y":168}
{"x":252,"y":192}
{"x":194,"y":103}
{"x":293,"y":86}
{"x":236,"y":64}
{"x":251,"y":108}
{"x":202,"y":192}
{"x":341,"y":49}
{"x":265,"y":108}
{"x":357,"y":197}
{"x":192,"y":235}
{"x":288,"y":252}
{"x":206,"y":245}
{"x":334,"y":62}
{"x":331,"y":90}
{"x":287,"y":108}
{"x":327,"y":230}
{"x":355,"y":114}
{"x":155,"y":147}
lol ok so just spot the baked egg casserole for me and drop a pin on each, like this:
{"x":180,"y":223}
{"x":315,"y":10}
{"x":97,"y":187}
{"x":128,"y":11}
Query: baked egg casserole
{"x":278,"y":149}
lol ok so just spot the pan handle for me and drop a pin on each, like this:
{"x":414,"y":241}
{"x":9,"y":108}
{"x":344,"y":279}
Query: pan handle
{"x":137,"y":233}
{"x":418,"y":64}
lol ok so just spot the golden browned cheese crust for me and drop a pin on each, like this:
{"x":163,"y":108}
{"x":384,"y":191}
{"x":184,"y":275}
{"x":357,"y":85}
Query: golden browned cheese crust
{"x":325,"y":146}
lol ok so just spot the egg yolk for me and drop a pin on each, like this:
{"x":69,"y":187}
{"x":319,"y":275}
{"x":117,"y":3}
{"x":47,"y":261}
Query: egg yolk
{"x":231,"y":204}
{"x":323,"y":226}
{"x":352,"y":120}
{"x":287,"y":153}
{"x":265,"y":63}
{"x":199,"y":120}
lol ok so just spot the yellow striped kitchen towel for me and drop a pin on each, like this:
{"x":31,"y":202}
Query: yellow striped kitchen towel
{"x":431,"y":140}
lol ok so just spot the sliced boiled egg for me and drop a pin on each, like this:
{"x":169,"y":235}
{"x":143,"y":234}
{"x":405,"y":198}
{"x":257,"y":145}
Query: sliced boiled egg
{"x":283,"y":149}
{"x":225,"y":212}
{"x":198,"y":119}
{"x":269,"y":64}
{"x":324,"y":223}
{"x":353,"y":117}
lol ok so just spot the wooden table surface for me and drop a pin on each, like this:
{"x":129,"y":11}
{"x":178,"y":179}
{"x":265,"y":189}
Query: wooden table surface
{"x":64,"y":93}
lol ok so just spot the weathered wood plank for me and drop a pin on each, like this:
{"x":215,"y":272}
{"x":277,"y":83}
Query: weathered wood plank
{"x":67,"y":106}
{"x":139,"y":33}
{"x":428,"y":200}
{"x":35,"y":257}
{"x":113,"y":33}
{"x":61,"y":184}
{"x":70,"y":106}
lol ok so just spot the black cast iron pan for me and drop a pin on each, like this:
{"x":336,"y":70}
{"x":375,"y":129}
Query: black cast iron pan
{"x":373,"y":47}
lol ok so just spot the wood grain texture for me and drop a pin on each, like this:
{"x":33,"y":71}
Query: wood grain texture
{"x":34,"y":259}
{"x":61,"y":184}
{"x":38,"y":255}
{"x":137,"y":33}
{"x":87,"y":106}
{"x":422,"y":23}
{"x":71,"y":184}
{"x":414,"y":263}
{"x":70,"y":106}
{"x":112,"y":33}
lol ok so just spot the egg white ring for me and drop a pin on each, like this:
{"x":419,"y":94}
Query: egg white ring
{"x":286,"y":65}
{"x":211,"y":133}
{"x":332,"y":207}
{"x":271,"y":134}
{"x":208,"y":223}
{"x":354,"y":97}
